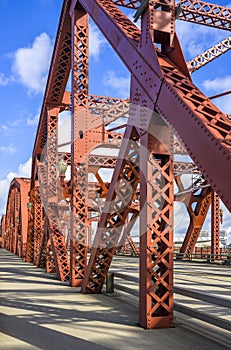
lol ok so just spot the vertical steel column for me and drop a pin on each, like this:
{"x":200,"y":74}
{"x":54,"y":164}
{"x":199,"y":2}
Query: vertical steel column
{"x":13,"y":218}
{"x":156,"y":241}
{"x":38,"y":225}
{"x":156,"y":187}
{"x":3,"y":230}
{"x":42,"y":177}
{"x":7,"y":221}
{"x":79,"y":100}
{"x":50,"y":259}
{"x":24,"y":190}
{"x":215,"y":226}
{"x":56,"y":237}
{"x":29,"y":256}
{"x":10,"y":223}
{"x":43,"y":257}
{"x":17,"y":223}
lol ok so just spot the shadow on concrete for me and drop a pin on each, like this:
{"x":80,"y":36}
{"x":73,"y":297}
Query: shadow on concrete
{"x":43,"y":337}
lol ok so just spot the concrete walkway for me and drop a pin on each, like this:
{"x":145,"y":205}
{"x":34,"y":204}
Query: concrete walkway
{"x":38,"y":312}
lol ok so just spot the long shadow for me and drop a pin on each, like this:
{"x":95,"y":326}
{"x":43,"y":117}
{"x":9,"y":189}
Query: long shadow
{"x":33,"y":271}
{"x":42,"y":337}
{"x":55,"y":315}
{"x":11,"y":279}
{"x":179,"y":282}
{"x":38,"y":291}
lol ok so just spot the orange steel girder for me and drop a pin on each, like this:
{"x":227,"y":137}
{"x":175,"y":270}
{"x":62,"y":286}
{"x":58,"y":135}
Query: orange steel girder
{"x":197,"y":216}
{"x":166,"y":81}
{"x":16,"y":219}
{"x":55,"y":233}
{"x":30,"y":232}
{"x":38,"y":225}
{"x":195,"y":11}
{"x":209,"y":55}
{"x":186,"y":104}
{"x":157,"y":77}
{"x":156,"y":276}
{"x":215,"y":226}
{"x":206,"y":13}
{"x":79,"y":97}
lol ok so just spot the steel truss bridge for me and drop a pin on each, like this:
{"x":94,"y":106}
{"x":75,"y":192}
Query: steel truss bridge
{"x":165,"y":115}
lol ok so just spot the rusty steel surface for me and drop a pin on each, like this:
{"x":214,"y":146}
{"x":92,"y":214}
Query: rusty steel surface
{"x":166,"y":115}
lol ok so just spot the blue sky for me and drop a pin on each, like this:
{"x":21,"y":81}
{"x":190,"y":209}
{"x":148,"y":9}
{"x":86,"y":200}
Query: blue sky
{"x":28,"y":30}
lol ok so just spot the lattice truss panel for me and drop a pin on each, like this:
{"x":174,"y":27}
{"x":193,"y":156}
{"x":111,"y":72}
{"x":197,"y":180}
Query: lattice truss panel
{"x":193,"y":11}
{"x":30,"y":239}
{"x":159,"y":279}
{"x":215,"y":236}
{"x":78,"y":239}
{"x":15,"y":222}
{"x":209,"y":55}
{"x":111,"y":225}
{"x":56,"y":236}
{"x":38,"y":225}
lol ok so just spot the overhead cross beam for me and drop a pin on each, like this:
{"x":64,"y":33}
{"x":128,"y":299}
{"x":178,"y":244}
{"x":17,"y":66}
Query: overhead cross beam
{"x":194,"y":11}
{"x":205,"y":13}
{"x":209,"y":55}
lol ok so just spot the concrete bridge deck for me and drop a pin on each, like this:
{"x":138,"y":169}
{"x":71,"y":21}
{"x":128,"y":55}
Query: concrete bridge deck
{"x":39,"y":312}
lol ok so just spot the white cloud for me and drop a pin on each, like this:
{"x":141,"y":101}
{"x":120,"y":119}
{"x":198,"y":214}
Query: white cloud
{"x":219,"y":84}
{"x":118,"y":84}
{"x":4,"y":127}
{"x":4,"y":80}
{"x":33,"y":121}
{"x":31,"y":63}
{"x":23,"y":170}
{"x":96,"y":41}
{"x":10,"y":149}
{"x":10,"y":126}
{"x":195,"y":38}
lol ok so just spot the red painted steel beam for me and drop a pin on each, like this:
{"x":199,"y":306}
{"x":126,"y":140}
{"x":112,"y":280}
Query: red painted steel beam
{"x":197,"y":217}
{"x":202,"y":12}
{"x":79,"y":147}
{"x":16,"y":219}
{"x":24,"y":188}
{"x":220,"y":95}
{"x":132,"y":4}
{"x":215,"y":226}
{"x":208,"y":56}
{"x":194,"y":11}
{"x":58,"y":74}
{"x":207,"y":136}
